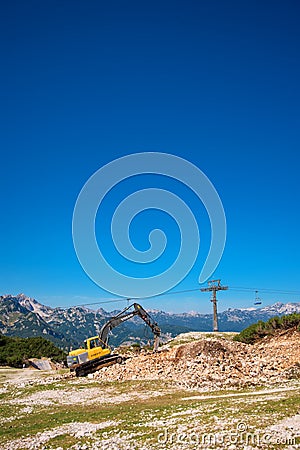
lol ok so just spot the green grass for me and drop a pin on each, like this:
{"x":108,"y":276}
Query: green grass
{"x":64,"y":441}
{"x":139,"y":417}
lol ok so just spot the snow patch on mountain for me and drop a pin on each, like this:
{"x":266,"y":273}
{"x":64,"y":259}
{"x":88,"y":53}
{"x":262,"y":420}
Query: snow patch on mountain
{"x":45,"y":312}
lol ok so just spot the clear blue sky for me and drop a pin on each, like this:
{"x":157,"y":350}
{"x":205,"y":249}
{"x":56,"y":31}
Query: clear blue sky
{"x":215,"y":82}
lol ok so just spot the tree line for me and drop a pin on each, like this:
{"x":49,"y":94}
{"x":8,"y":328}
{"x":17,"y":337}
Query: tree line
{"x":14,"y":351}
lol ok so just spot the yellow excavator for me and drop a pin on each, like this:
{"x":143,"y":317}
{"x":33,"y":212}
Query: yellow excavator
{"x":97,"y":353}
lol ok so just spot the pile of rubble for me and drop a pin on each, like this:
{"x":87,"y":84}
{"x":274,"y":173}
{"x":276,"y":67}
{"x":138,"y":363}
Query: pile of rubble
{"x":214,"y":363}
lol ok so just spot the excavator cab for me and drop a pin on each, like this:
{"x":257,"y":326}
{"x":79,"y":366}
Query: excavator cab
{"x":93,"y":348}
{"x":93,"y":342}
{"x":96,"y":348}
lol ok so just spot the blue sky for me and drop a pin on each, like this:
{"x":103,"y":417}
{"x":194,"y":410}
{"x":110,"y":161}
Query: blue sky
{"x":84,"y":83}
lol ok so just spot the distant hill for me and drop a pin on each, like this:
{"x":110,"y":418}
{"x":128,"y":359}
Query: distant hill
{"x":26,"y":317}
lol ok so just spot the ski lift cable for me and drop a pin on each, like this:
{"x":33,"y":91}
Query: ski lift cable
{"x":109,"y":300}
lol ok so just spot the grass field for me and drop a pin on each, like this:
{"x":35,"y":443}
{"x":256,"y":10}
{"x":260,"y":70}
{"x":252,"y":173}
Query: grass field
{"x":39,"y":412}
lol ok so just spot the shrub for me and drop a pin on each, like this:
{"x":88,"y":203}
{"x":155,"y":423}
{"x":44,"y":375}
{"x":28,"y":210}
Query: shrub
{"x":261,"y":329}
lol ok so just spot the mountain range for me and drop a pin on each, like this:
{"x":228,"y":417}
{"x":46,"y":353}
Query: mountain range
{"x":26,"y":317}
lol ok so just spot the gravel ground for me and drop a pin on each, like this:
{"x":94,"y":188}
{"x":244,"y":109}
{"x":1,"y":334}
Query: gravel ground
{"x":180,"y":421}
{"x":86,"y":396}
{"x":76,"y":429}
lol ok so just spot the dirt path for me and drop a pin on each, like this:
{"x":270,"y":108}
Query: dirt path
{"x":245,"y":394}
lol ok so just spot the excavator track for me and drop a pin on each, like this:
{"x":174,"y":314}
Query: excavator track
{"x":96,"y":364}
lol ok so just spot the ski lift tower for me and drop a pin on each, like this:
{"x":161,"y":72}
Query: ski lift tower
{"x":214,"y":286}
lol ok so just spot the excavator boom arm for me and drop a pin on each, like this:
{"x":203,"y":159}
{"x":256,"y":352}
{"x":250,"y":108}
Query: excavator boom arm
{"x":126,"y":315}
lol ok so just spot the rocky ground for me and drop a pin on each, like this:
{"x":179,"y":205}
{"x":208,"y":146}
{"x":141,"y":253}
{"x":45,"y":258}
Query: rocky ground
{"x":199,"y":392}
{"x":214,"y":362}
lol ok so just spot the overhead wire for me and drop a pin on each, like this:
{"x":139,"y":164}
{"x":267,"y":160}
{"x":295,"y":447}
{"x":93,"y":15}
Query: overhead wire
{"x":109,"y":300}
{"x":267,"y":290}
